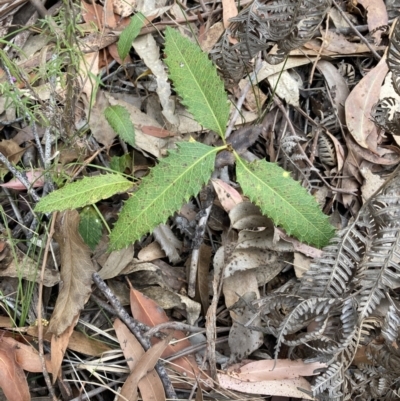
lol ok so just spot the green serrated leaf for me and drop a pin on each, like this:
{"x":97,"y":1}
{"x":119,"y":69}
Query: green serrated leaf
{"x":119,"y":119}
{"x":90,"y":227}
{"x":196,"y":81}
{"x":128,"y":35}
{"x":284,"y":200}
{"x":168,"y":186}
{"x":83,"y":192}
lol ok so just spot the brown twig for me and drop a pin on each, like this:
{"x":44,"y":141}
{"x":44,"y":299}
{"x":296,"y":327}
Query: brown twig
{"x":134,"y":327}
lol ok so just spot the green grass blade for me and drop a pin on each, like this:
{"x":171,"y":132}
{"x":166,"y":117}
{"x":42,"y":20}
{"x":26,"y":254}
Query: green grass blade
{"x":119,"y":119}
{"x":284,"y":200}
{"x":196,"y":81}
{"x":83,"y":192}
{"x":168,"y":186}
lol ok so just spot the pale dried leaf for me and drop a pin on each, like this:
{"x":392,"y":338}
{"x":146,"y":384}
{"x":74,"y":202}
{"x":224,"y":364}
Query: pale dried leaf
{"x":247,"y":216}
{"x":359,"y":105}
{"x":124,"y":8}
{"x":336,"y":84}
{"x":229,"y":10}
{"x":209,"y":38}
{"x":287,"y":86}
{"x":116,"y":262}
{"x":301,"y":264}
{"x":99,"y":127}
{"x":11,"y":150}
{"x":242,"y":341}
{"x":287,"y":387}
{"x":168,"y":241}
{"x":168,"y":299}
{"x":151,"y":252}
{"x":377,"y":17}
{"x":227,"y":195}
{"x":149,"y":52}
{"x":371,"y":184}
{"x":76,"y":272}
{"x":273,"y":369}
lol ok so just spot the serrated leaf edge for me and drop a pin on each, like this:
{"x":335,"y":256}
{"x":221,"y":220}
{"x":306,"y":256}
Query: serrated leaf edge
{"x":276,"y":221}
{"x":221,"y":129}
{"x":168,"y":187}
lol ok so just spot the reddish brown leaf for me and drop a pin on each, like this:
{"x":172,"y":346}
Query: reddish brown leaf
{"x":147,"y":311}
{"x":12,"y":377}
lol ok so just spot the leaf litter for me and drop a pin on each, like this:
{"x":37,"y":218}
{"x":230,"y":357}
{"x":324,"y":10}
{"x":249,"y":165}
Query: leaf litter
{"x":263,"y":321}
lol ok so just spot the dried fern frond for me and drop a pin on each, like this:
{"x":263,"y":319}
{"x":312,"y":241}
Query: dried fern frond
{"x":391,"y":326}
{"x":393,"y":59}
{"x":287,"y":23}
{"x":331,"y":275}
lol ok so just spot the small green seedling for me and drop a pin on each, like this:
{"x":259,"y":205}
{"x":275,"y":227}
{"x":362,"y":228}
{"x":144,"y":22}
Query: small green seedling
{"x":182,"y":174}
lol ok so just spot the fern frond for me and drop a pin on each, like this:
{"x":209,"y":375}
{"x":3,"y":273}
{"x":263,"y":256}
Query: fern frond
{"x":330,"y":275}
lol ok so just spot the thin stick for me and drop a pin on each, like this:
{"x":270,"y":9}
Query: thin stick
{"x":354,"y":29}
{"x":135,"y":329}
{"x":39,"y":310}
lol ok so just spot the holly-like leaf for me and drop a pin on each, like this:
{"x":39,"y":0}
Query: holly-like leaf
{"x":196,"y":81}
{"x":90,"y":227}
{"x":83,"y":192}
{"x":284,"y":200}
{"x":168,"y":186}
{"x":119,"y":119}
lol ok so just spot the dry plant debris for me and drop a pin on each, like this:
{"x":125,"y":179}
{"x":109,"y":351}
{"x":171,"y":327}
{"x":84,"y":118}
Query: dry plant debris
{"x":168,"y":171}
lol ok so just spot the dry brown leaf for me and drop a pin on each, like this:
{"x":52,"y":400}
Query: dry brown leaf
{"x":359,"y":105}
{"x":12,"y":377}
{"x":59,"y":344}
{"x":254,"y":371}
{"x":288,"y":387}
{"x":338,"y":149}
{"x":145,"y":364}
{"x":109,"y":17}
{"x":242,"y":341}
{"x":167,"y":299}
{"x":147,"y":311}
{"x":78,"y":342}
{"x":116,"y":262}
{"x":336,"y":83}
{"x":11,"y":150}
{"x":76,"y":272}
{"x":377,"y":17}
{"x":150,"y":385}
{"x":203,"y":267}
